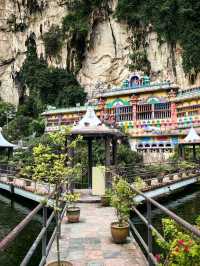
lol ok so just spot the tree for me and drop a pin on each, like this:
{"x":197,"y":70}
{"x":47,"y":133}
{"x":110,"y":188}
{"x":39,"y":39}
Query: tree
{"x":7,"y":112}
{"x":51,"y":164}
{"x":53,"y":41}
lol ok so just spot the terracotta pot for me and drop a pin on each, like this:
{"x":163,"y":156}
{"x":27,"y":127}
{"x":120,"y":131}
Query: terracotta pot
{"x":119,"y":234}
{"x":160,"y":179}
{"x":62,"y":263}
{"x":105,"y":200}
{"x":73,"y":214}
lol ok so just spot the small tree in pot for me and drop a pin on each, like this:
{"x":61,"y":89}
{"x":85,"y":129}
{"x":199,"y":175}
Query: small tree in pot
{"x":50,"y":165}
{"x":122,"y":201}
{"x":73,"y":212}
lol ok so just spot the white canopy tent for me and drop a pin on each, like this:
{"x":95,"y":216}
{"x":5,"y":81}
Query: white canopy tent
{"x":192,"y":139}
{"x":4,"y":143}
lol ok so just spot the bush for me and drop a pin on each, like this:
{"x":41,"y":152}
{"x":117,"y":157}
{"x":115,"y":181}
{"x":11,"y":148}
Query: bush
{"x":180,"y":248}
{"x":122,"y":200}
{"x":175,"y":21}
{"x":7,"y":112}
{"x":126,"y":156}
{"x":53,"y":41}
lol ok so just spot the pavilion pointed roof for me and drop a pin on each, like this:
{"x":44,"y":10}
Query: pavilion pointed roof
{"x":90,"y":119}
{"x":192,"y":136}
{"x":90,"y":125}
{"x":4,"y":143}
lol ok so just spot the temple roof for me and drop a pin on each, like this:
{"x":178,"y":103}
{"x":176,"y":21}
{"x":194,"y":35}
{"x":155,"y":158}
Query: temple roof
{"x":67,"y":110}
{"x":4,"y":143}
{"x":90,"y":125}
{"x":192,"y":136}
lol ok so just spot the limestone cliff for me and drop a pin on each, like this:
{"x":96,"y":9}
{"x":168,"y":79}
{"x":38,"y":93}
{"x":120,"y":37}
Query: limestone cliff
{"x":106,"y":58}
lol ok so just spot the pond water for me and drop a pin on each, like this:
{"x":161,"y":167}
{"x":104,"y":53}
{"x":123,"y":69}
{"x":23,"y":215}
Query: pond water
{"x":186,"y":204}
{"x":11,"y":213}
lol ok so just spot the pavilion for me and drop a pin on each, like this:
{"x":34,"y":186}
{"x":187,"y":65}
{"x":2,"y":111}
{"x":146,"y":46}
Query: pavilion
{"x":91,"y":128}
{"x":192,"y":139}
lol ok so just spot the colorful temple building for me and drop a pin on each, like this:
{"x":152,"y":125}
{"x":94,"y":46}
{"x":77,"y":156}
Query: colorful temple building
{"x":156,"y":116}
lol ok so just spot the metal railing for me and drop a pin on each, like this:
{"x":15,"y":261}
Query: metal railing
{"x":42,"y":236}
{"x":147,"y":173}
{"x":151,"y":230}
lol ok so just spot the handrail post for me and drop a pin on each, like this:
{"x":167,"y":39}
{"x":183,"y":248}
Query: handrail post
{"x":44,"y":238}
{"x":149,"y":232}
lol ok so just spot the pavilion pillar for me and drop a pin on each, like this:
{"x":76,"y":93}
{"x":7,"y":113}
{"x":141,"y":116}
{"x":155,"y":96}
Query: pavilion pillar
{"x":183,"y":152}
{"x":107,"y":149}
{"x":194,"y":152}
{"x":180,"y":151}
{"x":90,"y":163}
{"x":69,"y":161}
{"x":114,"y":151}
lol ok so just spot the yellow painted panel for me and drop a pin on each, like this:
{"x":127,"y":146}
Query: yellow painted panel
{"x":98,"y":181}
{"x":111,"y":99}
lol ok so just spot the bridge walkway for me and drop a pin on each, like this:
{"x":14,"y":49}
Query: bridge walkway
{"x":89,"y":242}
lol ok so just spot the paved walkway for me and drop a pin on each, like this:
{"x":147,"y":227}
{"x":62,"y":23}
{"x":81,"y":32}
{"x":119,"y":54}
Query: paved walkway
{"x":89,"y":242}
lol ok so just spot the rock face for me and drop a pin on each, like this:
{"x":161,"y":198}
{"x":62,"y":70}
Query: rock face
{"x":106,"y":59}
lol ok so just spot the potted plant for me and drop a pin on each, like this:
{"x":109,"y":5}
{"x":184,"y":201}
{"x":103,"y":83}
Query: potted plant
{"x":106,"y":198}
{"x":51,"y":164}
{"x":26,"y":173}
{"x":161,"y":177}
{"x":10,"y":178}
{"x":73,"y":212}
{"x":121,"y":200}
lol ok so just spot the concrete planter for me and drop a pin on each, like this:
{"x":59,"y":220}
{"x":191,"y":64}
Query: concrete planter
{"x":28,"y":183}
{"x":10,"y":178}
{"x":148,"y":182}
{"x":184,"y":175}
{"x":176,"y":176}
{"x":160,"y":179}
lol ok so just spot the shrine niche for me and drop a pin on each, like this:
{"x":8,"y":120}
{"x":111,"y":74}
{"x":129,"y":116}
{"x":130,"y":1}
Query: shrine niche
{"x":153,"y":100}
{"x":134,"y":81}
{"x":118,"y":103}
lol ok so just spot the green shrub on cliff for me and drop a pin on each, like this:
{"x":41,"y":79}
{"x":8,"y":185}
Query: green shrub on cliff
{"x":176,"y":21}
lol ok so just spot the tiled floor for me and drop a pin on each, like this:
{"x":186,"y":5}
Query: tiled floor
{"x":89,"y":242}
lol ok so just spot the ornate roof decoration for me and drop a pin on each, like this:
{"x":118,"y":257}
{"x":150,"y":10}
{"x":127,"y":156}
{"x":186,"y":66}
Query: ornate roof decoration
{"x":90,"y":125}
{"x":192,"y":136}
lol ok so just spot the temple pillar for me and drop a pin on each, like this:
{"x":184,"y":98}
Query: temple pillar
{"x":114,"y":151}
{"x":101,"y":106}
{"x":172,"y":96}
{"x":194,"y":152}
{"x":90,"y":163}
{"x":107,"y":149}
{"x":134,"y":100}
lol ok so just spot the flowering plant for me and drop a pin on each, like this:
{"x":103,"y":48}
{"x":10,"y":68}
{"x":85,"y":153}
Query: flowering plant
{"x":180,"y":248}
